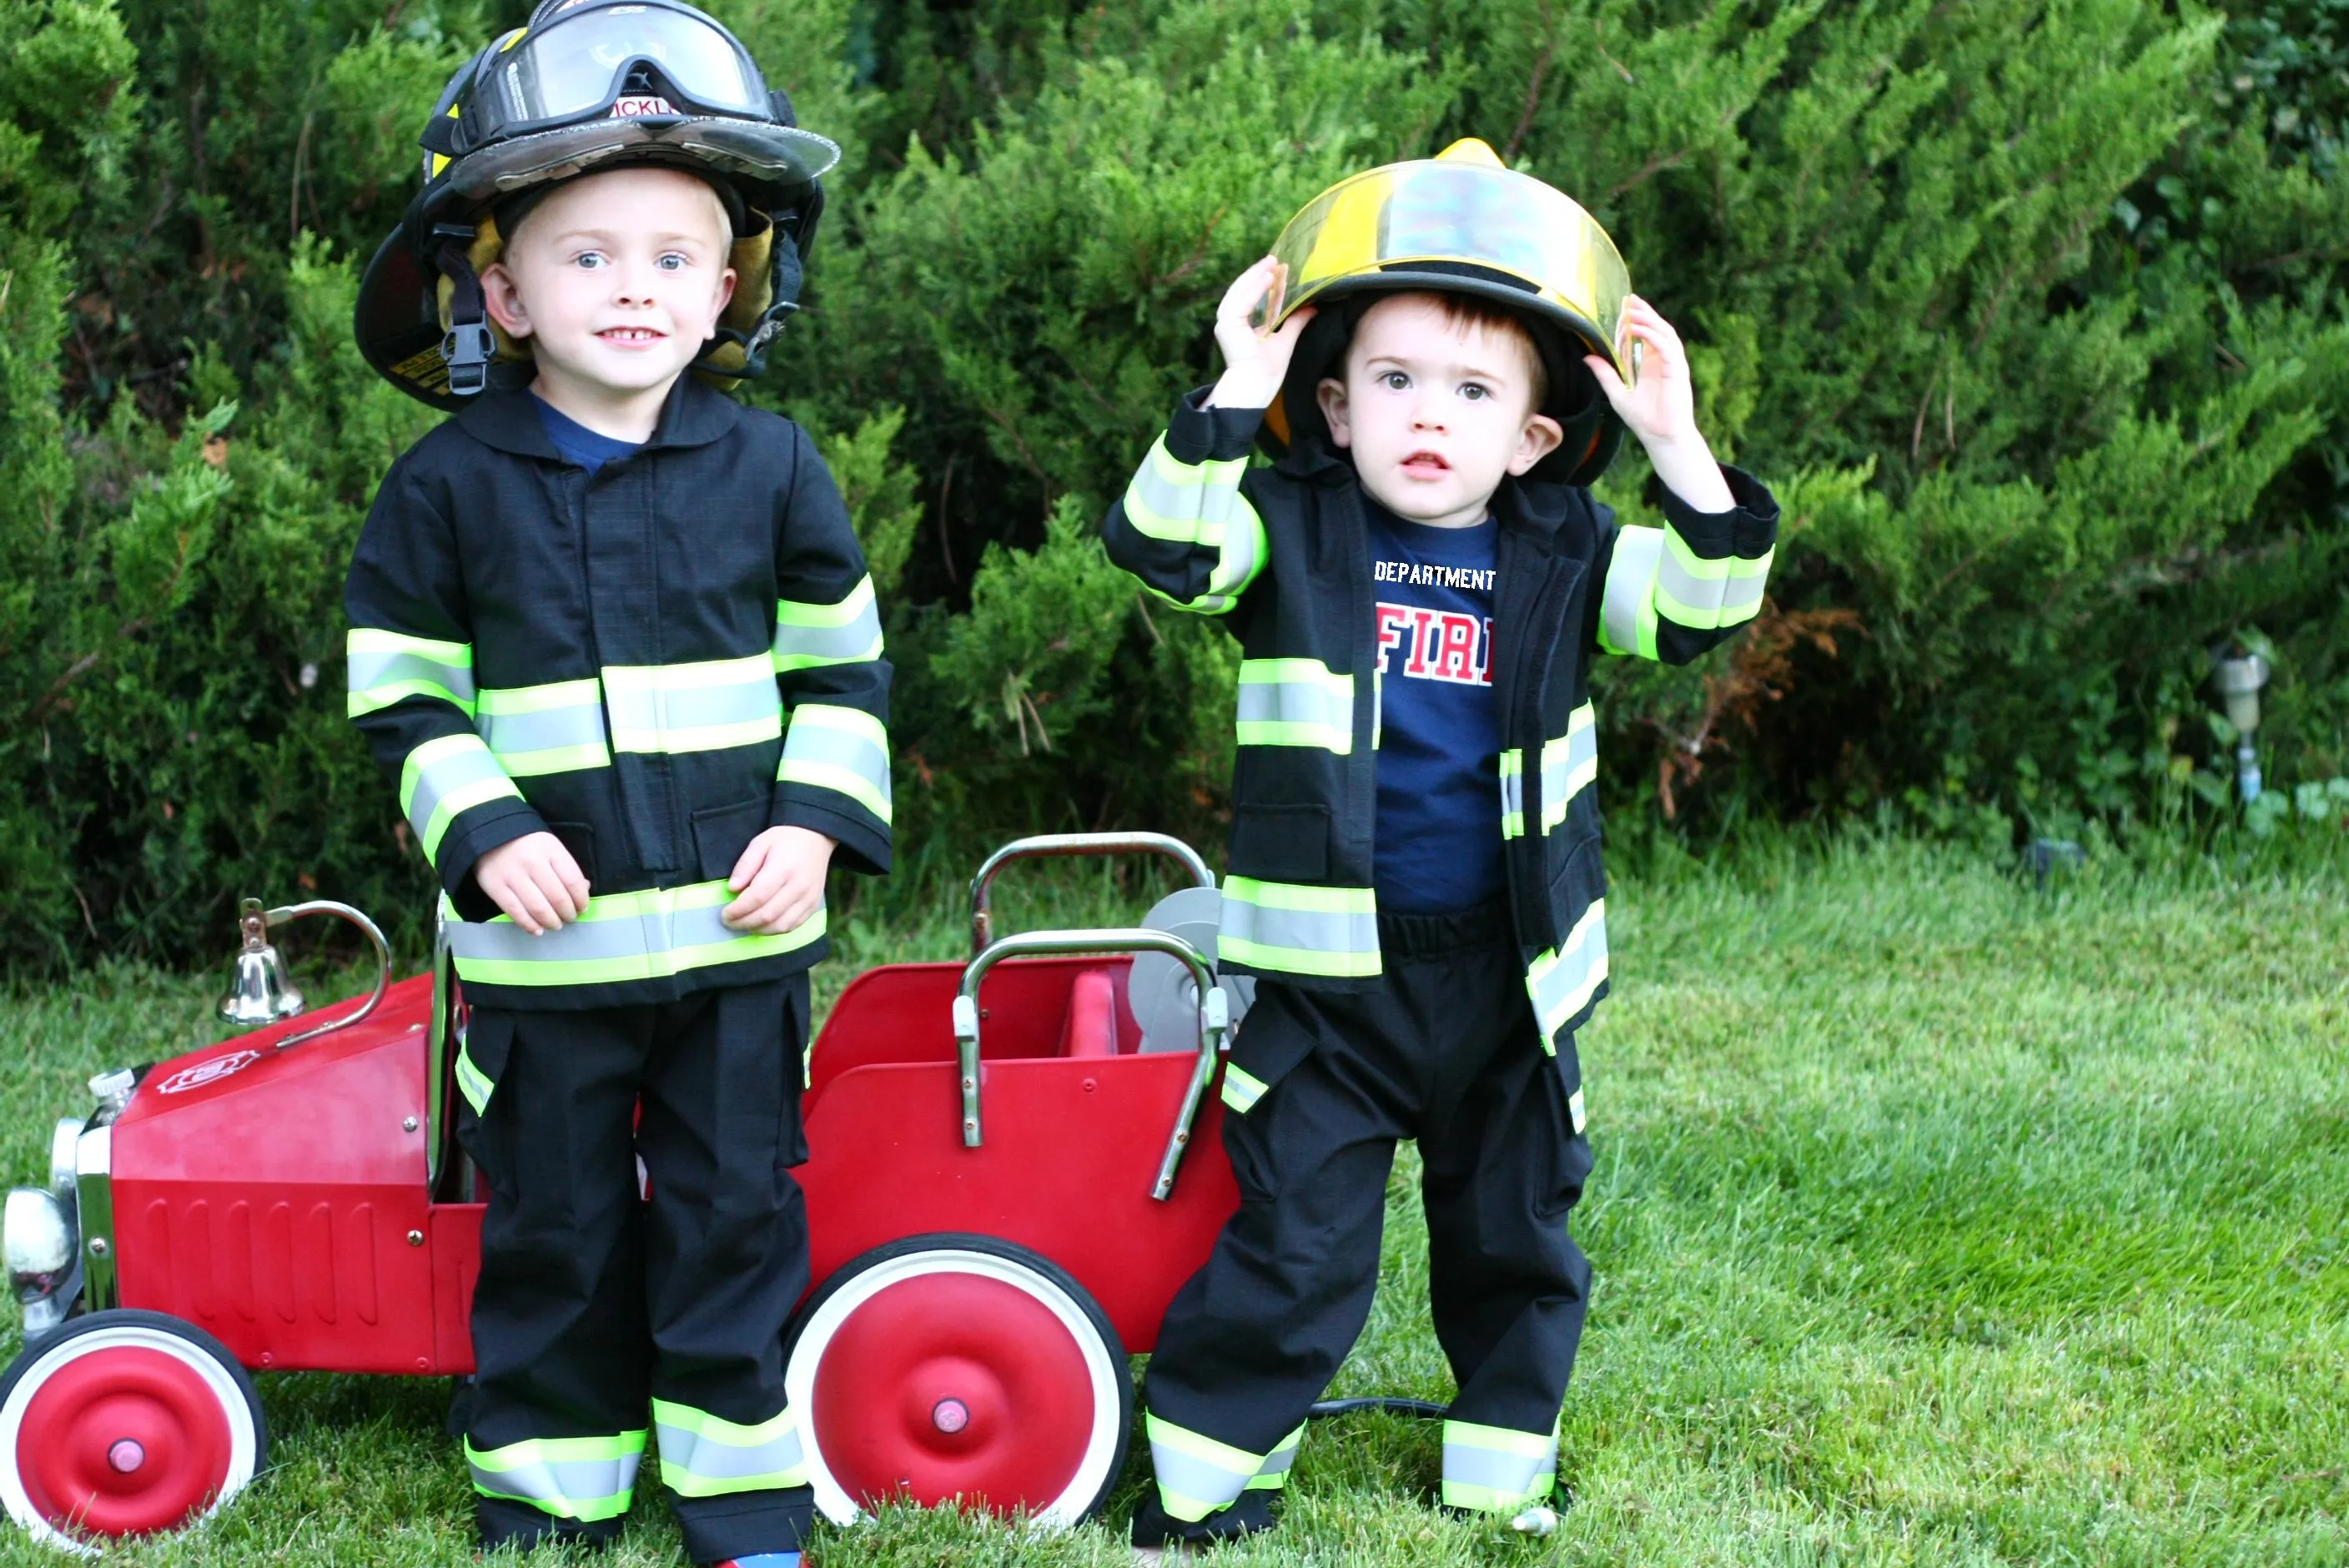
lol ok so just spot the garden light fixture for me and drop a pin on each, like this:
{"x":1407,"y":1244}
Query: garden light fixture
{"x":2238,"y":675}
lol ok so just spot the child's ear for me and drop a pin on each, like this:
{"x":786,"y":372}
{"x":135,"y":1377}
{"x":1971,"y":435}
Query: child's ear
{"x":1331,"y":393}
{"x":1542,"y":437}
{"x":502,"y":296}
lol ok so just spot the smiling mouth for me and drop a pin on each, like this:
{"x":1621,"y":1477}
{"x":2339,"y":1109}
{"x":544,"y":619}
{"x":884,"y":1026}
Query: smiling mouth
{"x":630,"y":335}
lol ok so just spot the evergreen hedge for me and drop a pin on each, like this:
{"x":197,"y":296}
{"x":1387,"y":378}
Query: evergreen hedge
{"x":2032,"y":313}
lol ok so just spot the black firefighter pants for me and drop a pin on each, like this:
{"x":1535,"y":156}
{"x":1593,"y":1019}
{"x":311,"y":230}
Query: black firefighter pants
{"x":1446,"y":1051}
{"x":592,"y":1301}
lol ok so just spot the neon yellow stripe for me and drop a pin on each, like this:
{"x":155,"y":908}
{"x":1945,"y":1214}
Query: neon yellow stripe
{"x":1714,"y":569}
{"x":1486,"y":1500}
{"x":800,"y":612}
{"x":376,"y":640}
{"x":1300,"y":895}
{"x":496,"y":701}
{"x":1298,"y":960}
{"x":702,"y":1424}
{"x":554,"y":759}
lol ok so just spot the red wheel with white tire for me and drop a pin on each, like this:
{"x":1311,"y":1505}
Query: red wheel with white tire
{"x":953,"y":1367}
{"x":125,"y":1423}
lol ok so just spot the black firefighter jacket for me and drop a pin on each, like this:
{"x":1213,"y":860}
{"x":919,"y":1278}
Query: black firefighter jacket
{"x":654,"y":664}
{"x":1282,"y":554}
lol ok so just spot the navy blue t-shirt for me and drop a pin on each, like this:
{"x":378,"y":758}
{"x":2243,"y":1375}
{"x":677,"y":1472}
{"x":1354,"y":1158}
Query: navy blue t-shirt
{"x":590,"y":449}
{"x":1439,"y":761}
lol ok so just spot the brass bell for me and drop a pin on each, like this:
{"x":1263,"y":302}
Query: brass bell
{"x":259,"y":992}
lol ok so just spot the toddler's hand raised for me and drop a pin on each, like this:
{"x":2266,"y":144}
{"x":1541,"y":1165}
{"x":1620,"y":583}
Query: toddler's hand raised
{"x":1255,"y":361}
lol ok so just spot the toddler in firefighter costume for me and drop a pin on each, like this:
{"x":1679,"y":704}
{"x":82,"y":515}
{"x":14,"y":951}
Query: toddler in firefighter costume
{"x":1418,"y":584}
{"x":614,"y":641}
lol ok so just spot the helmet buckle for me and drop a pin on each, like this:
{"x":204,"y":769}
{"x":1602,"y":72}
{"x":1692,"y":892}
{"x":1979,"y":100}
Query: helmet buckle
{"x":467,"y":348}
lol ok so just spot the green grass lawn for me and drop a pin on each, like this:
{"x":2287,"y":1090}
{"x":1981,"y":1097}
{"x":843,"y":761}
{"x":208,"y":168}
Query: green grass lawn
{"x":1935,"y":1220}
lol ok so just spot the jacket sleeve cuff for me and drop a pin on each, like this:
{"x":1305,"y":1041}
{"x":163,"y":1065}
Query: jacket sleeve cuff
{"x":862,"y":847}
{"x":1198,"y":434}
{"x":1749,"y":529}
{"x":462,"y":849}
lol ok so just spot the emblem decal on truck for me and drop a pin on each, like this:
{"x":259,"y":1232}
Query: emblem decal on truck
{"x":205,"y":1072}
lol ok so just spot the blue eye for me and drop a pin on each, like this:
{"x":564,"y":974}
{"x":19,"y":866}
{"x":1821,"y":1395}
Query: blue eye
{"x":673,"y":262}
{"x":588,"y":261}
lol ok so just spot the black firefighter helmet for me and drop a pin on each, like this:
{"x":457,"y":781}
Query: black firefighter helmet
{"x":589,"y":86}
{"x":1460,"y":222}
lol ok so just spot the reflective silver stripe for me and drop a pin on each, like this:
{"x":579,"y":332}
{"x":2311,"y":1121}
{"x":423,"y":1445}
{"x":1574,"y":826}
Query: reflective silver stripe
{"x":1706,"y":593}
{"x":1513,"y":793}
{"x":475,"y":1084}
{"x":1568,"y":764}
{"x":704,"y":1455}
{"x":1196,"y":1475}
{"x":1562,"y":982}
{"x":1186,"y":503}
{"x":445,"y":777}
{"x":808,"y":635}
{"x":552,"y":729}
{"x":620,"y":937}
{"x":1493,"y":1468}
{"x":587,"y":1479}
{"x":845,"y":749}
{"x":693,"y":707}
{"x":1627,"y":614}
{"x":381,"y":668}
{"x":1302,"y":929}
{"x":1200,"y":505}
{"x":1295,"y":702}
{"x":1273,"y":1474}
{"x":1242,"y":1089}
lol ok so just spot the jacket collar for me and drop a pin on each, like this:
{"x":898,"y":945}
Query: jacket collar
{"x":693,"y":415}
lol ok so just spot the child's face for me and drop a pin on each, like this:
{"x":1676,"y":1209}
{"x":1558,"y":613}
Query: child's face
{"x":617,"y":280}
{"x":1435,"y":414}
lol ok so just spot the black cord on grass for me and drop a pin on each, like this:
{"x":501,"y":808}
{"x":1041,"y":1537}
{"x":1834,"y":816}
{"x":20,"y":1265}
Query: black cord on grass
{"x":1424,"y":1409}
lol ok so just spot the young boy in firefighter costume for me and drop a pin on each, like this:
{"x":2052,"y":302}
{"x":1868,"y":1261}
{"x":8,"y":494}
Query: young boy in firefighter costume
{"x":614,"y":642}
{"x":1419,"y":582}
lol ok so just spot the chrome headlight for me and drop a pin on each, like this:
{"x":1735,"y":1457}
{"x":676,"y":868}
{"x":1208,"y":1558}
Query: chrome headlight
{"x":65,"y":1171}
{"x":38,"y":1234}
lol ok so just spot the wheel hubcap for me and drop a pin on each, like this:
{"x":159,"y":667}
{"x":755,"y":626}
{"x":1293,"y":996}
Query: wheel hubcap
{"x":953,"y":1385}
{"x":123,"y":1441}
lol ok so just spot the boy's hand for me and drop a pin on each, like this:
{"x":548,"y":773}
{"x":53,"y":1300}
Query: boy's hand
{"x":1255,"y":362}
{"x":780,"y":880}
{"x":1661,"y":409}
{"x":534,"y":881}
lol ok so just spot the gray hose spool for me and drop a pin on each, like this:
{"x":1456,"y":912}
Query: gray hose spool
{"x":1164,"y":997}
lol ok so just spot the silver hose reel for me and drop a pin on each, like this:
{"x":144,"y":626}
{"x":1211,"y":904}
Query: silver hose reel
{"x":1159,"y":988}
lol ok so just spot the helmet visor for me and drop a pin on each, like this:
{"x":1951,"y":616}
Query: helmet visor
{"x":1458,"y":215}
{"x":582,"y":62}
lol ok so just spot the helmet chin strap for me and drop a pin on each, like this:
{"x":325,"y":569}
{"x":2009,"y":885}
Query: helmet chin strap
{"x":470,"y":344}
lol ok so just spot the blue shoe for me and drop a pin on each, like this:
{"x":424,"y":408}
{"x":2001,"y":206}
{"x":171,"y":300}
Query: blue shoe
{"x":761,"y":1559}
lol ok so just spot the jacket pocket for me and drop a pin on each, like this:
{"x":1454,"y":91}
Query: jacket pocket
{"x":1281,"y":844}
{"x":579,"y":838}
{"x":720,"y":834}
